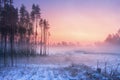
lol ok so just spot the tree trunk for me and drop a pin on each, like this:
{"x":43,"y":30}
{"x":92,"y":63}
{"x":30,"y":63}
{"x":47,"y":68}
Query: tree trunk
{"x":44,"y":41}
{"x":5,"y":38}
{"x":12,"y":45}
{"x":1,"y":46}
{"x":41,"y":41}
{"x":12,"y":54}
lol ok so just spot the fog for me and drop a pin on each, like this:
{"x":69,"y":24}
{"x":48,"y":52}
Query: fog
{"x":110,"y":49}
{"x":88,"y":55}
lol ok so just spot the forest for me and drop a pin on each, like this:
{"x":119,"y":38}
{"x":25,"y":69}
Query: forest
{"x":19,"y":34}
{"x":113,"y":39}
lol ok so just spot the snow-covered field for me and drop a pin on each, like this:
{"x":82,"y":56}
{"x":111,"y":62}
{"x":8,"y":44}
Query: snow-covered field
{"x":82,"y":55}
{"x":59,"y":66}
{"x":73,"y":72}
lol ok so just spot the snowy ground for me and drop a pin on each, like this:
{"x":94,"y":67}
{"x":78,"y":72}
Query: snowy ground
{"x":34,"y":72}
{"x":57,"y":66}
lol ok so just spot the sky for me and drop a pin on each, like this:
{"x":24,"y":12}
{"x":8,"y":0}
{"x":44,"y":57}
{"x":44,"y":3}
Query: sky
{"x":78,"y":20}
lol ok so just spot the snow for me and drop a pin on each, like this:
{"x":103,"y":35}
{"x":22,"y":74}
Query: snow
{"x":46,"y":72}
{"x":65,"y":64}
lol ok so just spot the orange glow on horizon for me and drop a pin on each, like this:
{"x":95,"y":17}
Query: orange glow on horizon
{"x":82,"y":28}
{"x":80,"y":20}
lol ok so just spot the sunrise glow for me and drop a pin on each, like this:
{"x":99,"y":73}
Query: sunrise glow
{"x":79,"y":20}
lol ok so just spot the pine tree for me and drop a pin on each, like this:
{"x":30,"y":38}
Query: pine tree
{"x":41,"y":42}
{"x":8,"y":21}
{"x":45,"y":33}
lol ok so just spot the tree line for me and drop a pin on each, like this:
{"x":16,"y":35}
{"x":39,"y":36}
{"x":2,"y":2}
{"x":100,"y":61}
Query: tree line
{"x":19,"y":31}
{"x":113,"y":39}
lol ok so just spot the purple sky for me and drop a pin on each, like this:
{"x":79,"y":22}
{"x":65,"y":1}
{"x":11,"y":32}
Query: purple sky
{"x":78,"y":20}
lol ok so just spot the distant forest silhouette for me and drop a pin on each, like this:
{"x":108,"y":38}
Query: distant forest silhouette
{"x":113,"y":39}
{"x":19,"y":31}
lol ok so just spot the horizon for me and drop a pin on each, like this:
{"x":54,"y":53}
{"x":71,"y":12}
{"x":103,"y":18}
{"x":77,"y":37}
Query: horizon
{"x":81,"y":21}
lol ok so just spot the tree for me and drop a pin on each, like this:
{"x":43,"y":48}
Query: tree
{"x":114,"y":38}
{"x":13,"y":26}
{"x":8,"y":25}
{"x":2,"y":30}
{"x":118,"y":32}
{"x":45,"y":31}
{"x":23,"y":23}
{"x":35,"y":16}
{"x":21,"y":26}
{"x":41,"y":41}
{"x":25,"y":29}
{"x":33,"y":13}
{"x":44,"y":26}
